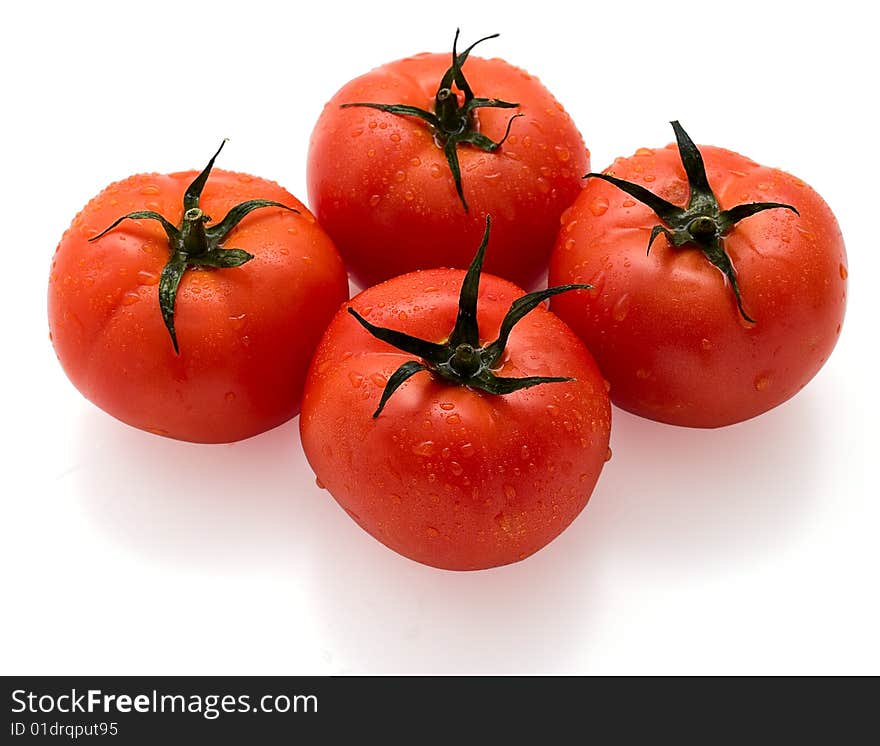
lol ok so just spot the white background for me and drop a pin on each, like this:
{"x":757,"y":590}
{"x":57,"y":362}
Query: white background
{"x":751,"y":549}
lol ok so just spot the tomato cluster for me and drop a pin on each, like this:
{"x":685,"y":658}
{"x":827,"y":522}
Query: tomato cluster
{"x":453,"y":415}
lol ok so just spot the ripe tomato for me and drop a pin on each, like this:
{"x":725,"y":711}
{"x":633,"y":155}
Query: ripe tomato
{"x":247,"y":318}
{"x":382,"y":182}
{"x":468,"y":465}
{"x":739,"y":302}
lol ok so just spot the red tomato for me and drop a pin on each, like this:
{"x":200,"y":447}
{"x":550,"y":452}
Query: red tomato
{"x":665,"y":327}
{"x":448,"y":474}
{"x":246,"y":333}
{"x":381,"y":184}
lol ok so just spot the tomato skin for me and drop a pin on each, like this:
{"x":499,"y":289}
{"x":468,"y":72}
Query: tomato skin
{"x":246,"y":334}
{"x":447,"y":475}
{"x":664,"y":327}
{"x":382,"y":187}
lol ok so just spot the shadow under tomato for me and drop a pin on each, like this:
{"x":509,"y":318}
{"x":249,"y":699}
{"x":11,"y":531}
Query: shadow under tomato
{"x":386,"y":614}
{"x":687,"y":499}
{"x":673,"y":501}
{"x":236,"y":507}
{"x":254,"y":507}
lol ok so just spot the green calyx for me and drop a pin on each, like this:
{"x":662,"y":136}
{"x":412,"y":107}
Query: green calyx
{"x":454,"y":123}
{"x":462,"y":360}
{"x":194,"y":243}
{"x":702,"y":223}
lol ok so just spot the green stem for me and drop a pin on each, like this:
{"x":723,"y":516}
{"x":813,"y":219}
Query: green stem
{"x":193,"y":238}
{"x":462,"y":360}
{"x":448,"y":113}
{"x":453,"y":123}
{"x":193,"y":243}
{"x":465,"y":361}
{"x":702,"y":223}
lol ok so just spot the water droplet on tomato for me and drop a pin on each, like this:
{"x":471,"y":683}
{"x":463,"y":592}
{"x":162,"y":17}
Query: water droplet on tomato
{"x":643,"y":374}
{"x":644,"y":152}
{"x":425,"y":448}
{"x":432,"y":532}
{"x":456,"y":468}
{"x":542,"y":185}
{"x":569,"y":244}
{"x":649,"y":178}
{"x":553,"y":410}
{"x":378,"y":380}
{"x":436,"y":171}
{"x":466,"y":449}
{"x":395,"y":137}
{"x":357,"y":132}
{"x":621,"y":308}
{"x":447,"y":405}
{"x":509,"y":491}
{"x":608,"y":455}
{"x":230,"y":396}
{"x":562,"y":153}
{"x":408,"y":196}
{"x":762,"y":382}
{"x":130,"y":298}
{"x":237,"y":322}
{"x":356,"y":379}
{"x":320,"y":484}
{"x":150,"y":189}
{"x":629,"y":202}
{"x":453,"y":419}
{"x":599,"y":206}
{"x":706,"y":344}
{"x":844,"y":273}
{"x":399,"y":176}
{"x":147,"y":278}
